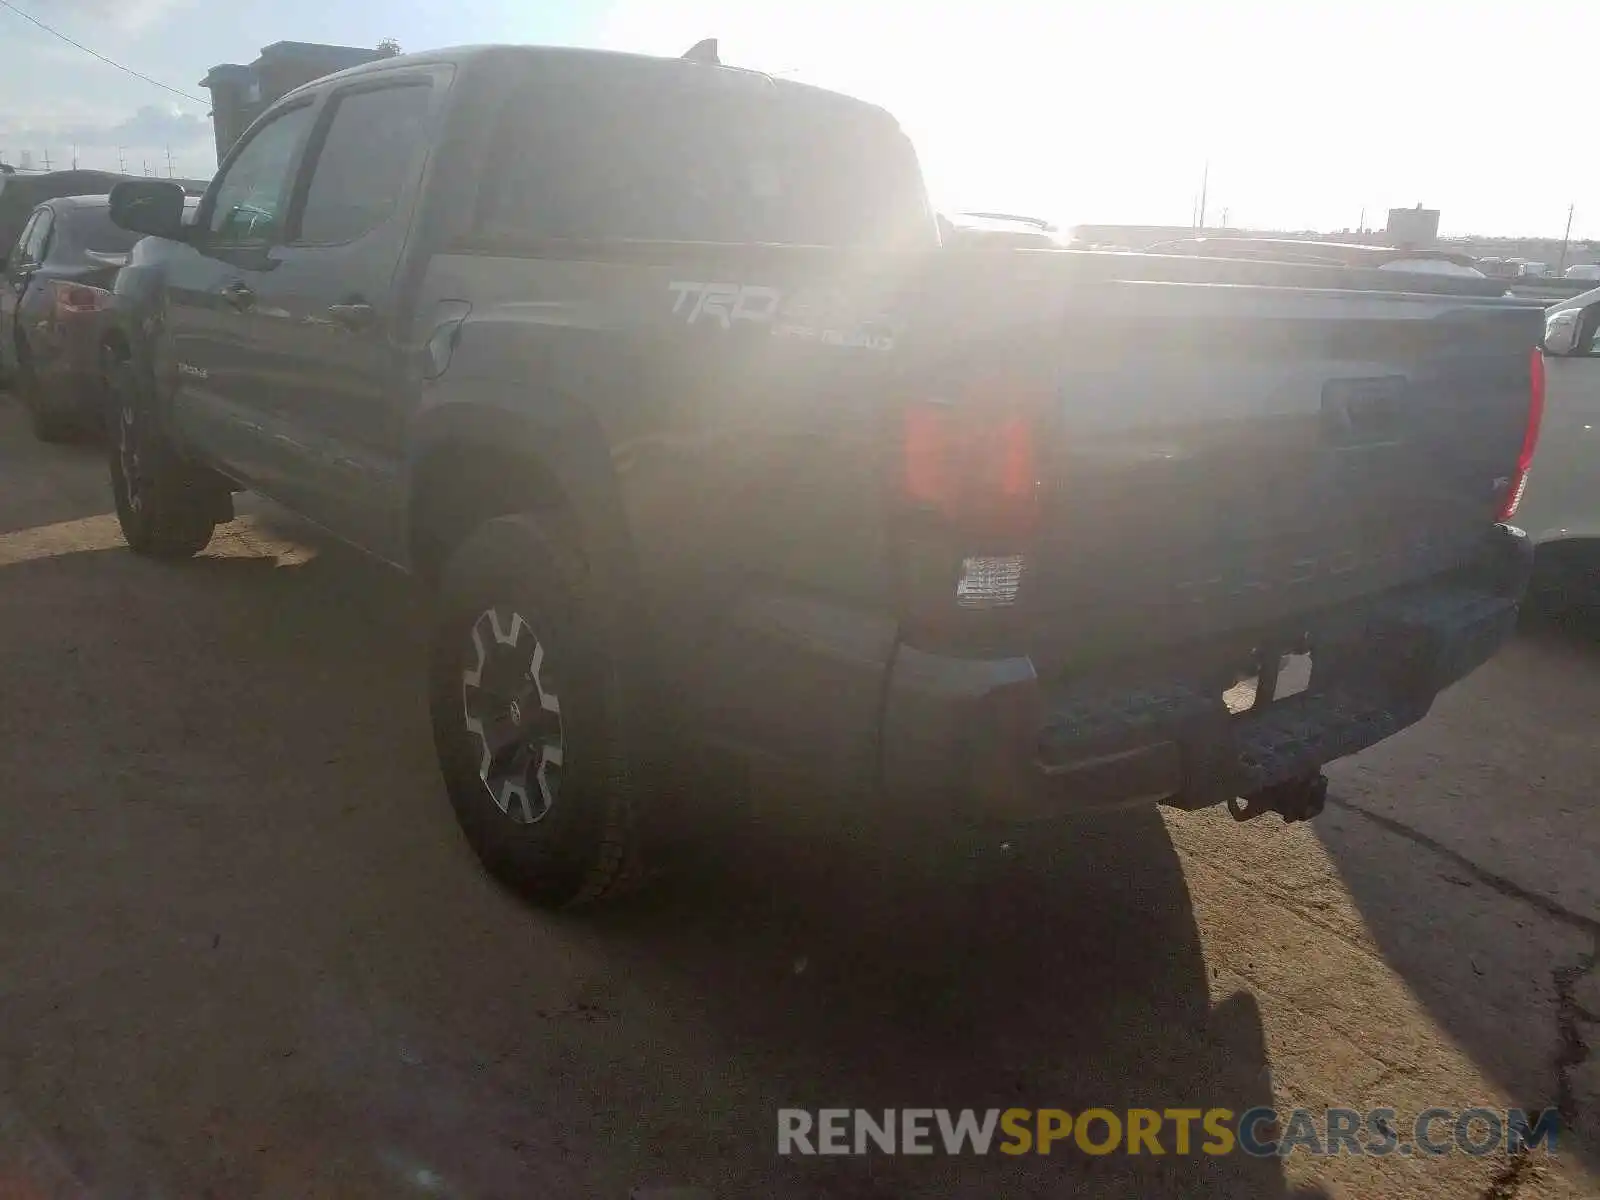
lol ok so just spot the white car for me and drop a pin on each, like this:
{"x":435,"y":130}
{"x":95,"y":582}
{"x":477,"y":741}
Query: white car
{"x":1560,"y":507}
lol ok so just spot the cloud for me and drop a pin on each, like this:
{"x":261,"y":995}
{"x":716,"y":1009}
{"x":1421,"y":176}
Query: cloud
{"x":142,"y":135}
{"x":151,"y":125}
{"x":125,"y":15}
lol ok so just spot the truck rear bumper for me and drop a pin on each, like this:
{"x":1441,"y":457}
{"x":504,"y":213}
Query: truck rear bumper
{"x":990,"y":740}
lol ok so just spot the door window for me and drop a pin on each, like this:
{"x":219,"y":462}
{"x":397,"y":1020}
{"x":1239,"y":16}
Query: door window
{"x":36,"y":238}
{"x":19,"y":254}
{"x":254,"y":191}
{"x":370,"y":156}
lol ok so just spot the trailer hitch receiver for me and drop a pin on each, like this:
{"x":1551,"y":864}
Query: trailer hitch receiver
{"x":1294,"y":800}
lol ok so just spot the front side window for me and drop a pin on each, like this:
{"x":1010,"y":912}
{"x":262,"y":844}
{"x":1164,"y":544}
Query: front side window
{"x":368,"y":160}
{"x":254,"y":191}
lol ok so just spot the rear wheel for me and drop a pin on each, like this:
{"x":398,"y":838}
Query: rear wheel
{"x":525,"y":702}
{"x":166,"y":506}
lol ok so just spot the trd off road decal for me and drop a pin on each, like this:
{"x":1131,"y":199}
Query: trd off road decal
{"x":816,"y":316}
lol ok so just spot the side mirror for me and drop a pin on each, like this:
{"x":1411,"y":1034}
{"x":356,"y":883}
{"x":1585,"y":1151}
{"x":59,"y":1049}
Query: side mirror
{"x":1564,"y":329}
{"x":151,"y":207}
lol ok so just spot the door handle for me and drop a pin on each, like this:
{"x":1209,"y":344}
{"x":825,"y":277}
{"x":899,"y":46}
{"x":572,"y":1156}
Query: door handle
{"x":352,"y":316}
{"x":237,"y":295}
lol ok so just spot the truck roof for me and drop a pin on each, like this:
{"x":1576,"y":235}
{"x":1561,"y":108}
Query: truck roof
{"x":623,"y":65}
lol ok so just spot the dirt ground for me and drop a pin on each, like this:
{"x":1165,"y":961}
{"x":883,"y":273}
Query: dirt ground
{"x":244,"y":952}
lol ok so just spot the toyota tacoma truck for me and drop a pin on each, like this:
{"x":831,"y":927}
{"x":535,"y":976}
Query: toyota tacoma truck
{"x":656,"y":373}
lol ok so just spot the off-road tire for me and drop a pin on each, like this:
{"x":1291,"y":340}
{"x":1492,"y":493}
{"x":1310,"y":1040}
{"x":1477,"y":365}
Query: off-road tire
{"x":518,"y":587}
{"x":167,"y":507}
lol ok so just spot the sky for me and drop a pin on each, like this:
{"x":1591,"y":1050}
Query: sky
{"x":1303,"y":116}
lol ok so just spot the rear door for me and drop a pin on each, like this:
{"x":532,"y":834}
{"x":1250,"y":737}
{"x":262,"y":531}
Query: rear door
{"x":326,"y":324}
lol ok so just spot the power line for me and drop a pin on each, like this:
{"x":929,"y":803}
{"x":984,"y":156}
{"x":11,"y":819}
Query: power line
{"x":95,"y":53}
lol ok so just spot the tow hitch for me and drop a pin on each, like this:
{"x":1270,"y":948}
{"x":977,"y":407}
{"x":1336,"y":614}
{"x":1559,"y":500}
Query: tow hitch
{"x":1293,"y":800}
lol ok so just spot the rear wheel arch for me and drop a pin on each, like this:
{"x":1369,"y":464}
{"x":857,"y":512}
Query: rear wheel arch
{"x":462,"y":482}
{"x":474,"y":462}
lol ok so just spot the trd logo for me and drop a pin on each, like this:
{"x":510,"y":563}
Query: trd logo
{"x":725,"y":303}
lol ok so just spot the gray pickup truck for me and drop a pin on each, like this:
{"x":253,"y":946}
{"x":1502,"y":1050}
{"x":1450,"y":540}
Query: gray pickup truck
{"x":656,"y":372}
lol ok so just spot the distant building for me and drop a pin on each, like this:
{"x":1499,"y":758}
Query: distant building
{"x":240,"y":94}
{"x":1413,"y":228}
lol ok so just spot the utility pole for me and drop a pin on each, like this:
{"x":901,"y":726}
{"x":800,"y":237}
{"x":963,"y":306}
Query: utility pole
{"x":1361,"y":225}
{"x":47,"y":158}
{"x":1205,"y":178}
{"x":169,"y":161}
{"x":1565,"y":237}
{"x":1224,"y":218}
{"x":74,"y":158}
{"x":122,"y":160}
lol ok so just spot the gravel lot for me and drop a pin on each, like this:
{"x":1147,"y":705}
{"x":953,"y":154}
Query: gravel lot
{"x":244,"y":952}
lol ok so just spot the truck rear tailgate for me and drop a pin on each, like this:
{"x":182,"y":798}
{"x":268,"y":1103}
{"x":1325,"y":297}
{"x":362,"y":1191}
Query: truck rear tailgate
{"x":1227,"y":457}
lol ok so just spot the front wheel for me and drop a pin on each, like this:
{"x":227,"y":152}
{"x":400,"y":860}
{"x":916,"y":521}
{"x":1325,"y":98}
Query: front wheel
{"x":525,"y":701}
{"x":167,"y":508}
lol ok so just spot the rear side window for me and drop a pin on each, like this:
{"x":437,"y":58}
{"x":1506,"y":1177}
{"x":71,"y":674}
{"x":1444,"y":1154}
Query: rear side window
{"x":372,"y":152}
{"x":701,"y":164}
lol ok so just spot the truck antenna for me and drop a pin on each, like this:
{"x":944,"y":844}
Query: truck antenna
{"x":704,"y":51}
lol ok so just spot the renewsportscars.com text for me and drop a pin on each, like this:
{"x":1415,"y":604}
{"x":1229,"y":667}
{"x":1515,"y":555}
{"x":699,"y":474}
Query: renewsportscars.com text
{"x":1260,"y":1132}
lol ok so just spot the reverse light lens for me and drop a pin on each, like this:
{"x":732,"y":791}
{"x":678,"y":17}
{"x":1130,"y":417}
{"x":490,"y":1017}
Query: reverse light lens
{"x":989,"y":582}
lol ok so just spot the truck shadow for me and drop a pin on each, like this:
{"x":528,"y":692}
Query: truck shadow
{"x":1492,"y":972}
{"x":267,"y":727}
{"x":1466,"y":846}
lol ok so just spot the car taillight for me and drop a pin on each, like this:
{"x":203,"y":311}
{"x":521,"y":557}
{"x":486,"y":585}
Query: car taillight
{"x":75,"y":298}
{"x":969,"y":485}
{"x":973,"y":468}
{"x":1530,"y":438}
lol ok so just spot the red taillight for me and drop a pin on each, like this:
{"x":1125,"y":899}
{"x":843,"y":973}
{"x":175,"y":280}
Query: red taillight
{"x":973,"y":467}
{"x":76,"y":298}
{"x":1530,"y":437}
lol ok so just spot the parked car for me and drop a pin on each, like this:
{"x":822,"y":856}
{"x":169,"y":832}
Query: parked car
{"x":1560,"y":507}
{"x":56,"y":290}
{"x":655,"y":371}
{"x":21,"y":193}
{"x":1309,"y":250}
{"x":998,"y":230}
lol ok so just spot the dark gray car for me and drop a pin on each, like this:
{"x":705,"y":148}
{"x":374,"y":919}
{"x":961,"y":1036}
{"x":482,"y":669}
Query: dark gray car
{"x":53,"y":303}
